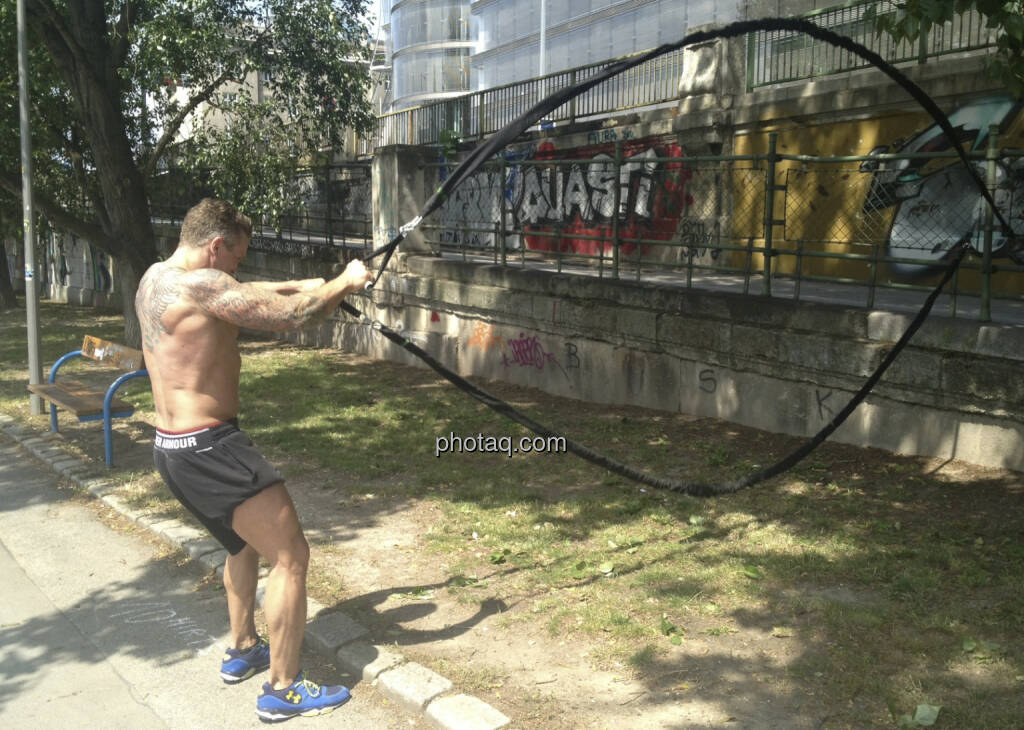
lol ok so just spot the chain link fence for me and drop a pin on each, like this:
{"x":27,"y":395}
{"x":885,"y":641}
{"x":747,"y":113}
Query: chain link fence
{"x":761,"y":224}
{"x":622,"y":212}
{"x":916,"y":214}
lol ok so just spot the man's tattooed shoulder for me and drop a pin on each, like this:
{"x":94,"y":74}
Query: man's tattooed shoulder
{"x":159,"y":288}
{"x":205,"y":282}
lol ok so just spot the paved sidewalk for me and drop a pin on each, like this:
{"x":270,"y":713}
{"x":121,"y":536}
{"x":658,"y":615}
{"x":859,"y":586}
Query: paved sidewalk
{"x":102,"y":628}
{"x":411,"y":686}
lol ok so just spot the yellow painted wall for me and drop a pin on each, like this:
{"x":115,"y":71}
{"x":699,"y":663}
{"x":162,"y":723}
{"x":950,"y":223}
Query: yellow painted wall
{"x":824,"y":206}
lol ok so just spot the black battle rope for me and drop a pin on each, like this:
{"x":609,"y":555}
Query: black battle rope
{"x":693,"y":489}
{"x":548,"y":104}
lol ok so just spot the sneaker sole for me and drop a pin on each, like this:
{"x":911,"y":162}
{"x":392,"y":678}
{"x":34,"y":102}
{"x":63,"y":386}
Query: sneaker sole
{"x":235,"y":679}
{"x":271,"y":716}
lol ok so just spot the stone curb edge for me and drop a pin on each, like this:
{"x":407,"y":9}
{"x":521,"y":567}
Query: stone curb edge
{"x":332,"y":634}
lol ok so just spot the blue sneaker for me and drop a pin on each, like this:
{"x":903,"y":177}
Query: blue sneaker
{"x":301,"y":697}
{"x":238,"y":665}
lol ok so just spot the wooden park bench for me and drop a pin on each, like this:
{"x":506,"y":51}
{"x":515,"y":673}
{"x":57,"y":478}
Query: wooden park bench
{"x":88,"y":402}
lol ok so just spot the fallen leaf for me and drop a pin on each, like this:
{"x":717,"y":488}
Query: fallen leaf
{"x":753,"y":572}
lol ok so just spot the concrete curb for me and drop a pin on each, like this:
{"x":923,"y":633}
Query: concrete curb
{"x":332,"y":634}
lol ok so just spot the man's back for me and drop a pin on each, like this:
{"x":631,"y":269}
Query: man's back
{"x":192,"y":355}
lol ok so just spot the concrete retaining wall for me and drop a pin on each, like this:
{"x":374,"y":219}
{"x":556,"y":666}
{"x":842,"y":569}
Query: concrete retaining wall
{"x":79,"y":273}
{"x":780,"y":366}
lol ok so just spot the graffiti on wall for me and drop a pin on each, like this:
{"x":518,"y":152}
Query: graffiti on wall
{"x":472,"y":213}
{"x":578,"y":200}
{"x":577,"y":204}
{"x":484,"y":338}
{"x":528,"y":352}
{"x":524,"y":351}
{"x":935,"y":203}
{"x":698,"y":239}
{"x":383,"y":235}
{"x":572,"y":207}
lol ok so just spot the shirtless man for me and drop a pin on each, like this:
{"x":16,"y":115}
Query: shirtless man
{"x":190,"y":308}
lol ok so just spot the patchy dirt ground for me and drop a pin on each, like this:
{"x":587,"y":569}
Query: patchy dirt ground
{"x":370,"y":562}
{"x":375,"y":569}
{"x":370,"y":559}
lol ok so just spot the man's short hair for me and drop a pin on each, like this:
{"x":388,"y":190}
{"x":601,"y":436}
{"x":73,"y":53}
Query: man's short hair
{"x":210,"y":218}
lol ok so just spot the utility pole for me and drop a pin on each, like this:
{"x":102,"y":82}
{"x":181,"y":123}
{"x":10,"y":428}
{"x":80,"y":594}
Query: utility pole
{"x":35,"y":373}
{"x":543,"y":66}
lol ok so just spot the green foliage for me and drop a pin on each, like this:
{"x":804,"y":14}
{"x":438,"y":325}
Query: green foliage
{"x":917,"y":17}
{"x":258,"y":178}
{"x":669,"y":629}
{"x":449,"y":141}
{"x":306,"y":55}
{"x":121,"y":90}
{"x":61,"y":158}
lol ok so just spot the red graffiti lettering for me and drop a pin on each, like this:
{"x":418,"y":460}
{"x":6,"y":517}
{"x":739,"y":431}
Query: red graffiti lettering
{"x":576,"y":201}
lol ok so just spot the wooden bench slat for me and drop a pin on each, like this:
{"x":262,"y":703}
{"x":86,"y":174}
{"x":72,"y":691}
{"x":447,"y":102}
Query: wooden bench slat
{"x":78,"y":397}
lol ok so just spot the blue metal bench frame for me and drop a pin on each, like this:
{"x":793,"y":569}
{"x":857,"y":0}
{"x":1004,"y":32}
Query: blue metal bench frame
{"x":108,"y":413}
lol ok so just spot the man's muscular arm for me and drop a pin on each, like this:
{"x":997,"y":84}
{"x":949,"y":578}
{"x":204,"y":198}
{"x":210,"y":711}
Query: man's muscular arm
{"x":288,"y":287}
{"x":262,"y":308}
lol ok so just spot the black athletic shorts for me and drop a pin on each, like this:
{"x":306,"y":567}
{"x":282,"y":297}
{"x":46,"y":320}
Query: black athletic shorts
{"x":211,"y":471}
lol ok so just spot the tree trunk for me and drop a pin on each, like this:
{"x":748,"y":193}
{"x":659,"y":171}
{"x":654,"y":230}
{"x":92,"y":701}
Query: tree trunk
{"x":96,"y":91}
{"x":128,"y":281}
{"x":7,"y":298}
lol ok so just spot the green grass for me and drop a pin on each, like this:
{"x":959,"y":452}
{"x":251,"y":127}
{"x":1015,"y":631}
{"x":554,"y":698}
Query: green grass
{"x":875,"y":569}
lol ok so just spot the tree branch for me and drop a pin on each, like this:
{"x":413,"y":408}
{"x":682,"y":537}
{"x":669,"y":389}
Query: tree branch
{"x":175,"y":124}
{"x":56,"y":33}
{"x":119,"y":33}
{"x":59,"y":217}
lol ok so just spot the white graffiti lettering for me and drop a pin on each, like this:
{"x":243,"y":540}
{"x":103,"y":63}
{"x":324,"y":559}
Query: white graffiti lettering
{"x":163,"y":614}
{"x":548,"y":197}
{"x":601,"y":179}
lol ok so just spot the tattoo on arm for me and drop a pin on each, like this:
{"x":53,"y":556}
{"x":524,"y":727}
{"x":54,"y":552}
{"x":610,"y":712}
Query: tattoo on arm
{"x":254,"y":307}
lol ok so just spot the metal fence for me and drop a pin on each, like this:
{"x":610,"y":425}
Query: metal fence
{"x":762,"y":224}
{"x":333,"y":210}
{"x":484,"y":112}
{"x":851,"y":230}
{"x":778,"y":56}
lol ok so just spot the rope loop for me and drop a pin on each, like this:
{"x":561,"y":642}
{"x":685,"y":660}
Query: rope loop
{"x":548,"y":104}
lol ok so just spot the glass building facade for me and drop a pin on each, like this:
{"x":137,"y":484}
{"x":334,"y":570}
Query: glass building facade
{"x":579,"y":32}
{"x":431,"y":44}
{"x":443,"y":48}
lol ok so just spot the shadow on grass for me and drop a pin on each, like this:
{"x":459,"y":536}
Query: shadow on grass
{"x":875,"y":568}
